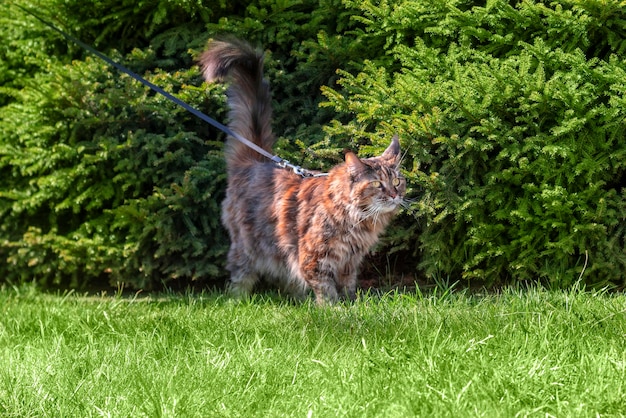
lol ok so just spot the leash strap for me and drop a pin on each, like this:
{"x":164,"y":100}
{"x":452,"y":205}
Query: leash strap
{"x":276,"y":159}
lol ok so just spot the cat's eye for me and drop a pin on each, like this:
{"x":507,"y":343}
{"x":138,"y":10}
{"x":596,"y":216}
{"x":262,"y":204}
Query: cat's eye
{"x":396,"y":181}
{"x":376,"y":183}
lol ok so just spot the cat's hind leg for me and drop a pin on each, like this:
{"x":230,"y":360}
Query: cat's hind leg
{"x":242,"y":276}
{"x":346,"y":285}
{"x":241,"y":285}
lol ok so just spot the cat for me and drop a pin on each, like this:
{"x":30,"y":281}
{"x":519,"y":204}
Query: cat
{"x":310,"y":233}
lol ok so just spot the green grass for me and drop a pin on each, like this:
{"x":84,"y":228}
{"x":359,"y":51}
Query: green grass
{"x":519,"y":353}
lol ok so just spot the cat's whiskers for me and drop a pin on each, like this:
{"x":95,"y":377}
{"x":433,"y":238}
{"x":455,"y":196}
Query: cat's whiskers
{"x":369,"y":212}
{"x":406,"y":203}
{"x":374,"y":211}
{"x":376,"y":214}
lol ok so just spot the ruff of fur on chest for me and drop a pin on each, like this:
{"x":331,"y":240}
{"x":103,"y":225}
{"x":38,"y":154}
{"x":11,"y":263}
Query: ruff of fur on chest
{"x":304,"y":232}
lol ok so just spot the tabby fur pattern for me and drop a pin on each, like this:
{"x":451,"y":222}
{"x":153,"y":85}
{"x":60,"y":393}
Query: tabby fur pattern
{"x":305,"y":232}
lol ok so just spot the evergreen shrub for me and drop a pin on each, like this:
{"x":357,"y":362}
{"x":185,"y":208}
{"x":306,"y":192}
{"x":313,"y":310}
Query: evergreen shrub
{"x":106,"y":178}
{"x":511,"y":114}
{"x":514,"y":118}
{"x":103,"y":179}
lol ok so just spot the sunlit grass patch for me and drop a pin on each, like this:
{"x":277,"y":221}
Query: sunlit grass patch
{"x":525,"y":353}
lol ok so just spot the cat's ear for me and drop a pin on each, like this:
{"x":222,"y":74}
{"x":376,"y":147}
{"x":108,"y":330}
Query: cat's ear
{"x":354,"y":163}
{"x":392,"y":153}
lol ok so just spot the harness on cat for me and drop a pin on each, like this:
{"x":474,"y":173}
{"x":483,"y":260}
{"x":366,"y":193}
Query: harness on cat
{"x":281,"y":162}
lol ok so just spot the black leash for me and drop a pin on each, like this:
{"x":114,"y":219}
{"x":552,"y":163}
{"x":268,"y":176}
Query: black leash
{"x":280,"y":161}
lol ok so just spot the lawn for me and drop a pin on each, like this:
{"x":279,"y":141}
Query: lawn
{"x":516,"y":353}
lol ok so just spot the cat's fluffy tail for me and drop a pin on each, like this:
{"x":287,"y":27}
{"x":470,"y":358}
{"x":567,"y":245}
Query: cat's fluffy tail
{"x":249,"y":99}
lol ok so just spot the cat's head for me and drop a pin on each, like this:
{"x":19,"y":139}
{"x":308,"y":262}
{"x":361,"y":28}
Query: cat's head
{"x":377,"y":186}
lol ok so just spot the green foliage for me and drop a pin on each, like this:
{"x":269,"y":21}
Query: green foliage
{"x":511,"y":114}
{"x":110,"y":179}
{"x":103,"y":179}
{"x":514,"y":121}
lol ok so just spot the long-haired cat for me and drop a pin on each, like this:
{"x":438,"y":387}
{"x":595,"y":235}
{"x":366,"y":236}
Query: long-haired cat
{"x":307,"y":232}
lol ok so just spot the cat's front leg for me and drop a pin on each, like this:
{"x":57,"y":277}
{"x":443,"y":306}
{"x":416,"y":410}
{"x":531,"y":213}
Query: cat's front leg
{"x":325,"y":290}
{"x":320,"y":274}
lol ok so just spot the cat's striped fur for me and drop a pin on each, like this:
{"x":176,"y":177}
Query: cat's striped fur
{"x":305,"y":232}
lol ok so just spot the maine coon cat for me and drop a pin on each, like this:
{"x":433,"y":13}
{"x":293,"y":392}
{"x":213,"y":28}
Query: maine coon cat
{"x":307,"y":232}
